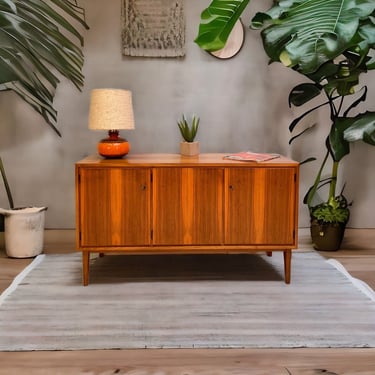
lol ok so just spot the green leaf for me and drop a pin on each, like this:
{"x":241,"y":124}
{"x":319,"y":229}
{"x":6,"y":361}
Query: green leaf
{"x":217,"y":21}
{"x":312,"y":32}
{"x":330,"y":213}
{"x":336,"y":144}
{"x":326,"y":70}
{"x":188,"y":132}
{"x":303,"y":93}
{"x":292,"y":139}
{"x":346,"y":130}
{"x":295,"y":122}
{"x":362,"y":127}
{"x":308,"y":160}
{"x":361,"y":99}
{"x":36,"y":35}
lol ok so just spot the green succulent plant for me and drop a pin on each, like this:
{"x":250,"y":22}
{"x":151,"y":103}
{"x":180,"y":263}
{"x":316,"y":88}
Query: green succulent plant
{"x":188,"y":132}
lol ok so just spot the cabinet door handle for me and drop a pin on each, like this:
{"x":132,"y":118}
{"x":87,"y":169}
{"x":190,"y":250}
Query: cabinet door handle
{"x":231,"y":187}
{"x":144,"y":187}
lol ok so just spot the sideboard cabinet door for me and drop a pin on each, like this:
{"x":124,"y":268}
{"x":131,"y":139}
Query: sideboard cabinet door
{"x":188,"y":206}
{"x":260,"y":206}
{"x":114,"y":206}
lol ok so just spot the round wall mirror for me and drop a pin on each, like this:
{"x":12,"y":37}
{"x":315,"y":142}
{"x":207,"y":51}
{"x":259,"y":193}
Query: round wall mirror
{"x":233,"y":44}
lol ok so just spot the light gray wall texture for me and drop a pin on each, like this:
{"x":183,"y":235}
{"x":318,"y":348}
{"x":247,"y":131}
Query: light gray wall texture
{"x":242,"y":103}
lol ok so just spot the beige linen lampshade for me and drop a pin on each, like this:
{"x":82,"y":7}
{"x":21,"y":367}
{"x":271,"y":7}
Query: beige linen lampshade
{"x":112,"y":110}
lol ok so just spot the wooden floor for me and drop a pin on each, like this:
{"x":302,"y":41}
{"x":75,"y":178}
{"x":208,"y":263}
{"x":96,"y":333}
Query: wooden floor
{"x":357,"y":255}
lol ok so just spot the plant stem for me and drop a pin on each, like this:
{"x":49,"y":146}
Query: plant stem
{"x":335,"y":166}
{"x":318,"y":178}
{"x":6,"y":184}
{"x":332,"y":185}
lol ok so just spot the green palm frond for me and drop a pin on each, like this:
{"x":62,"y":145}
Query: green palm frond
{"x":35,"y":36}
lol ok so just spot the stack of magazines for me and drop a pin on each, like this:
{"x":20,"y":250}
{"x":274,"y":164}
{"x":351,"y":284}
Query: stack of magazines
{"x":251,"y":156}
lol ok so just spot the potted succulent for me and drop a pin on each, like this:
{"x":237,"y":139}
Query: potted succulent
{"x":189,"y":147}
{"x":32,"y":40}
{"x":331,"y":52}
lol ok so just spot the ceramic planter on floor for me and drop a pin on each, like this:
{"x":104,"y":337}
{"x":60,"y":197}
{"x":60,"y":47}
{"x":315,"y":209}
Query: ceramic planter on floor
{"x":24,"y":231}
{"x":327,"y":236}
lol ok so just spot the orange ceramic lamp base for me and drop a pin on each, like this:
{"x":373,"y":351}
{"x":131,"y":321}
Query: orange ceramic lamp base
{"x":114,"y":146}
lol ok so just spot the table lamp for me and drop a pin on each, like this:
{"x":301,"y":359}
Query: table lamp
{"x":112,"y":110}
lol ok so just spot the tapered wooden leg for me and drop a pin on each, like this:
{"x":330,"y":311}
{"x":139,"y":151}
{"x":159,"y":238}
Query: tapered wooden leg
{"x":269,"y":253}
{"x":85,"y":267}
{"x":101,"y":255}
{"x":287,"y":265}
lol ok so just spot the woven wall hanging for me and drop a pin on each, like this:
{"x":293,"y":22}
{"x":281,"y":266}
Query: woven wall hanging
{"x":153,"y":28}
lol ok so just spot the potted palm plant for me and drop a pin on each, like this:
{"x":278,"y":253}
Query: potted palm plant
{"x":189,"y":147}
{"x":331,"y":52}
{"x":34,"y":37}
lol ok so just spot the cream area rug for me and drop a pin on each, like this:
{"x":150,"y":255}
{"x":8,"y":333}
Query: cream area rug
{"x":186,"y":301}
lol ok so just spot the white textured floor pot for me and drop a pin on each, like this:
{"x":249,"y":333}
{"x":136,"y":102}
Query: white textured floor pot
{"x":189,"y":148}
{"x":24,"y":231}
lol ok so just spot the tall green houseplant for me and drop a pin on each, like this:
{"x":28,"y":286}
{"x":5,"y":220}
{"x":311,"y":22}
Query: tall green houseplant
{"x":35,"y":36}
{"x":331,"y":43}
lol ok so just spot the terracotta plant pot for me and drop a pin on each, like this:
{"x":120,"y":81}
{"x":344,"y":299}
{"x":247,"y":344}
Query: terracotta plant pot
{"x":327,"y":236}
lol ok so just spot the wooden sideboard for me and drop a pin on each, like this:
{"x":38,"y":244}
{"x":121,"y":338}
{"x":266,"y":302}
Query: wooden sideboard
{"x":167,"y":203}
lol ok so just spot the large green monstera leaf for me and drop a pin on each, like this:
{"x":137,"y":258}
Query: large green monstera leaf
{"x":36,"y":36}
{"x":302,"y":34}
{"x":306,"y":34}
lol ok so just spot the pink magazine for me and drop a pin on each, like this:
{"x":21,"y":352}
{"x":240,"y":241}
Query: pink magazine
{"x":251,"y":156}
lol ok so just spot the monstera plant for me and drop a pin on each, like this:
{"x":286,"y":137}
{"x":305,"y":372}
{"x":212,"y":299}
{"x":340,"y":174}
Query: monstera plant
{"x":331,"y":43}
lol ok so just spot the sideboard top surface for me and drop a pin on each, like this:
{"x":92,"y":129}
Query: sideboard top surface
{"x":154,"y":160}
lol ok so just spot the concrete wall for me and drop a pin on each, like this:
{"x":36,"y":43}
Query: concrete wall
{"x":242,"y":103}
